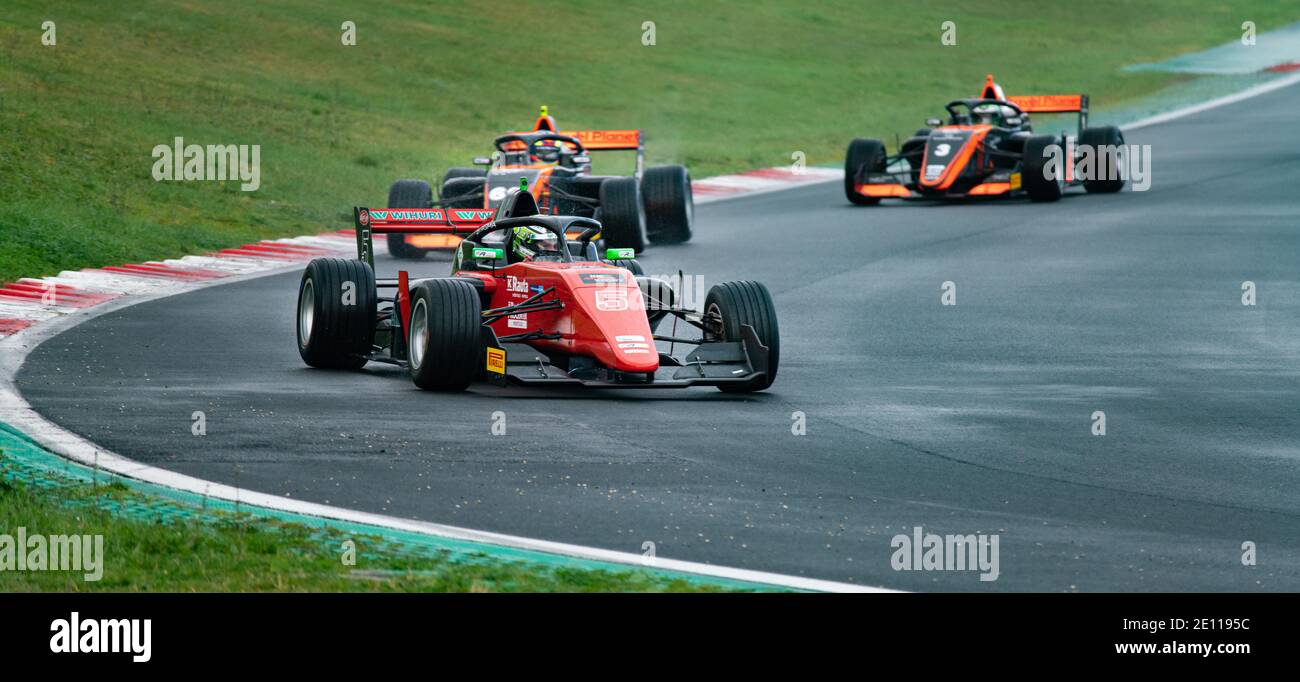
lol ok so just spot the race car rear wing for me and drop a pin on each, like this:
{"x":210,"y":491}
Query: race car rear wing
{"x":1054,"y":104}
{"x":372,"y":221}
{"x":1041,"y":104}
{"x":601,"y":141}
{"x":612,"y":140}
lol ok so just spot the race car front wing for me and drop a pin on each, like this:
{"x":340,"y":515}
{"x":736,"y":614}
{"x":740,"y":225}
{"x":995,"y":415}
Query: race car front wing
{"x":711,"y":363}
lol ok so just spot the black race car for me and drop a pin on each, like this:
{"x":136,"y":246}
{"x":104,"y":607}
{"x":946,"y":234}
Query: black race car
{"x":986,"y":148}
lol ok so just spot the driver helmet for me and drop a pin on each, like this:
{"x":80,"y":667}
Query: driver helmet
{"x":547,"y":151}
{"x":534,"y":243}
{"x":992,"y":114}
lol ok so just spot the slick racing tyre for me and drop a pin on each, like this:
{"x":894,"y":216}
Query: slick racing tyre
{"x":407,"y":194}
{"x":336,"y":313}
{"x":1034,"y":168}
{"x":622,"y":216}
{"x":669,"y":205}
{"x":453,"y":173}
{"x":732,"y":304}
{"x":443,"y":342}
{"x":1101,"y":139}
{"x":863,"y":156}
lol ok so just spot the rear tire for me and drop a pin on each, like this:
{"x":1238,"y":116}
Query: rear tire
{"x":622,"y":215}
{"x":669,"y":205}
{"x":453,"y":173}
{"x":336,"y":323}
{"x":1103,"y":136}
{"x":741,"y":303}
{"x":407,"y":194}
{"x":443,"y":341}
{"x":863,"y":156}
{"x":462,"y":193}
{"x":1033,"y":174}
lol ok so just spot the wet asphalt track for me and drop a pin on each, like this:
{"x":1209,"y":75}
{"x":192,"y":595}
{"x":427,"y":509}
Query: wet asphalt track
{"x":966,"y":419}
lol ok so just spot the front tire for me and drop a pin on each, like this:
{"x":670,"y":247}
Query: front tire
{"x":337,"y":301}
{"x":622,"y":215}
{"x":862,"y":157}
{"x":1104,"y":136}
{"x":1034,"y":174}
{"x":407,"y":194}
{"x":732,"y":304}
{"x":669,"y":205}
{"x":443,"y":340}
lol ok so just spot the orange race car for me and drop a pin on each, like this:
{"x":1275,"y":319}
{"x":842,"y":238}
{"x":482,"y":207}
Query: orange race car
{"x":986,"y":148}
{"x":654,"y":204}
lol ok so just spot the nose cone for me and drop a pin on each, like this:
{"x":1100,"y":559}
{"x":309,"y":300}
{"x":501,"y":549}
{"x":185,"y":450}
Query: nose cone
{"x":615,"y":320}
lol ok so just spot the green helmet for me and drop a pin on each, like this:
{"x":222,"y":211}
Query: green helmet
{"x":534,"y":243}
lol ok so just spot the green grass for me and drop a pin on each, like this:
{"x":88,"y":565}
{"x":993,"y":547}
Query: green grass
{"x":729,"y":85}
{"x":241,"y":553}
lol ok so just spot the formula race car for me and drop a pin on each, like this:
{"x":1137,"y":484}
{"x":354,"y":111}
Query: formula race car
{"x":521,"y":308}
{"x":654,"y":204}
{"x":987,"y":148}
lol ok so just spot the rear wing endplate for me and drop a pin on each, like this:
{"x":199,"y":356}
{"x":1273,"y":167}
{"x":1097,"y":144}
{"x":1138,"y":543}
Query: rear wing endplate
{"x":372,"y":221}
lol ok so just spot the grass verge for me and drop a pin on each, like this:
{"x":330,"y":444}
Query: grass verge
{"x":157,"y":545}
{"x":726,"y":86}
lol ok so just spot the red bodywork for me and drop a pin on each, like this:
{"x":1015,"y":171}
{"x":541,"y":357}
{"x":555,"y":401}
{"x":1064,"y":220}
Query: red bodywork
{"x":603,"y":314}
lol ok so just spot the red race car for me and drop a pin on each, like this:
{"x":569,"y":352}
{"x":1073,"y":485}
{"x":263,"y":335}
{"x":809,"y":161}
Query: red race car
{"x":521,"y":308}
{"x":653,"y":205}
{"x":987,"y":148}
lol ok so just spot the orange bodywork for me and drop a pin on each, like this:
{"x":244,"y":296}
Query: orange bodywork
{"x":433,"y":241}
{"x":990,"y":188}
{"x":958,"y":164}
{"x":884,"y":190}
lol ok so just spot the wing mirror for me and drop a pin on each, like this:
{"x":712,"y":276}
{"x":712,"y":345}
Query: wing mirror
{"x":933,"y":122}
{"x":582,"y":159}
{"x":482,"y":161}
{"x":1014,"y":121}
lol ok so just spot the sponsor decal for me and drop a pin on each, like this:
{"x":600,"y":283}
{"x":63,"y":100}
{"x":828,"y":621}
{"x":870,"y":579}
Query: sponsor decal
{"x":934,"y":170}
{"x":632,"y":337}
{"x":364,"y":216}
{"x":427,"y":215}
{"x":1015,"y":181}
{"x":516,"y":285}
{"x":633,"y":351}
{"x":606,"y":138}
{"x":633,"y":345}
{"x":611,"y":300}
{"x":488,"y":253}
{"x":496,"y":361}
{"x":519,"y":321}
{"x":604,"y":278}
{"x":942,"y":149}
{"x":497,"y":194}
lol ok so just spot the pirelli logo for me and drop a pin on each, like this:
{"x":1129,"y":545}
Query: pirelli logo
{"x":496,"y":360}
